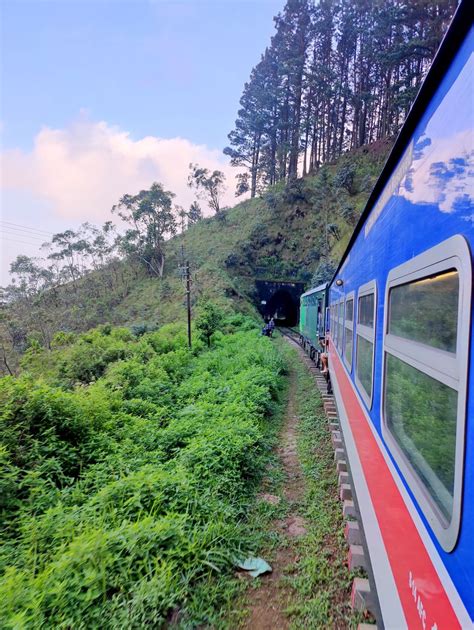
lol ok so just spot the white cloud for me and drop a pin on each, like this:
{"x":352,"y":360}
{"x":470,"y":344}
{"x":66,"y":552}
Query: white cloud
{"x":82,"y":170}
{"x":442,"y":172}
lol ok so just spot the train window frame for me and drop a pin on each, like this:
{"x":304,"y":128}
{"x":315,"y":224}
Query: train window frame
{"x":336,"y":324}
{"x":340,"y":321}
{"x":334,"y":328}
{"x":350,"y":325}
{"x":368,"y":333}
{"x":449,"y":370}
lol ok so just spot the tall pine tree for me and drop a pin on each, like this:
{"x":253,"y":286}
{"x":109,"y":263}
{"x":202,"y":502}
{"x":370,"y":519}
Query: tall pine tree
{"x":337,"y":74}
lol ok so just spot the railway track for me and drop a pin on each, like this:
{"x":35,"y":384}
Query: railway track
{"x":290,"y":333}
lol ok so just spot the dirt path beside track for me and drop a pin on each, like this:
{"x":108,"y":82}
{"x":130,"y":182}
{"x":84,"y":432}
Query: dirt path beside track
{"x":310,"y":585}
{"x":267,"y":604}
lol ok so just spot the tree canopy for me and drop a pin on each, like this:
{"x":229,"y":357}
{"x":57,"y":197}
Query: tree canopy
{"x":337,"y":74}
{"x":209,"y":186}
{"x":150,"y":215}
{"x":194,"y":213}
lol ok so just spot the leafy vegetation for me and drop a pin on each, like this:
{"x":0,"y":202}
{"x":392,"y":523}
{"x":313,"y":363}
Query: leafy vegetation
{"x":337,"y":75}
{"x":208,"y":321}
{"x":151,"y":219}
{"x":127,"y":468}
{"x":286,"y":234}
{"x":209,"y":186}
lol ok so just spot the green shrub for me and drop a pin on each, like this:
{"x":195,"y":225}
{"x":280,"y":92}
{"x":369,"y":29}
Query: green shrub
{"x":62,"y":339}
{"x":123,"y":491}
{"x":209,"y":319}
{"x":38,"y":422}
{"x":167,"y":338}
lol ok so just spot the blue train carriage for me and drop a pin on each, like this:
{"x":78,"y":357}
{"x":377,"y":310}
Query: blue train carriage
{"x":400,"y":355}
{"x":313,"y":306}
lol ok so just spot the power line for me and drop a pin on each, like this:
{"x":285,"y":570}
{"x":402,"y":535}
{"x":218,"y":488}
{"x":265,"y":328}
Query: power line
{"x":18,"y":232}
{"x":13,"y":240}
{"x":26,"y":227}
{"x":7,"y":232}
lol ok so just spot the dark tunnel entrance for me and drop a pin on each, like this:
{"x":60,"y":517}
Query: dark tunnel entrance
{"x":279,"y":299}
{"x":283,"y":309}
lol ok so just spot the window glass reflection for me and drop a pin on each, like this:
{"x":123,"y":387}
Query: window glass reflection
{"x":364,"y":363}
{"x":348,"y":346}
{"x":366,"y":310}
{"x":427,"y":310}
{"x":339,"y":325}
{"x":421,"y":415}
{"x":349,"y":310}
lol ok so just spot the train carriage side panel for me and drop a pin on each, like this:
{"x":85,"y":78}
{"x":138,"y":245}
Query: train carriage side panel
{"x":400,"y":361}
{"x":302,"y":321}
{"x":312,"y":310}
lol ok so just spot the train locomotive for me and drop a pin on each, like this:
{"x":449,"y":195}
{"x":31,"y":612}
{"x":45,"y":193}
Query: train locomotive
{"x":397,"y":320}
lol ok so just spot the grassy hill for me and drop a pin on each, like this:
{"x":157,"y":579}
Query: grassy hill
{"x":290,"y":232}
{"x":280,"y":235}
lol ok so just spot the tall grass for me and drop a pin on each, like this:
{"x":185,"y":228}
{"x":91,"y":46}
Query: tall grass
{"x":126,"y":472}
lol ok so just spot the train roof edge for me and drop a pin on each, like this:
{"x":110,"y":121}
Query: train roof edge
{"x":321,"y":287}
{"x":450,"y":44}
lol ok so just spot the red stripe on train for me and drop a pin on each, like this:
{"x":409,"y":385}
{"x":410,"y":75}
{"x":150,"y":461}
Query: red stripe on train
{"x":423,"y":598}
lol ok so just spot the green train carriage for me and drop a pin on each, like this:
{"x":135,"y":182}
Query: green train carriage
{"x":313,"y":306}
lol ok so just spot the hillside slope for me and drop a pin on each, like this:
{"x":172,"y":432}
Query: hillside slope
{"x":288,"y":233}
{"x":298,"y":231}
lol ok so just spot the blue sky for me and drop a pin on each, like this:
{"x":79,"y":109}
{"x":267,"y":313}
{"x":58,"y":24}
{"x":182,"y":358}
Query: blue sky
{"x":161,"y":68}
{"x":94,"y":87}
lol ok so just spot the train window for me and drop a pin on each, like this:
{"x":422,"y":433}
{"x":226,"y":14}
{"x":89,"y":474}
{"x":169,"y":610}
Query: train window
{"x":426,"y":310}
{"x":320,"y":320}
{"x":340,"y":318}
{"x":366,"y":310}
{"x":349,"y":309}
{"x":416,"y":406}
{"x":364,"y":364}
{"x":365,"y":341}
{"x":426,"y":336}
{"x":348,"y":330}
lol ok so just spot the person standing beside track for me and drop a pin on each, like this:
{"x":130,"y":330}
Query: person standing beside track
{"x":271,"y":325}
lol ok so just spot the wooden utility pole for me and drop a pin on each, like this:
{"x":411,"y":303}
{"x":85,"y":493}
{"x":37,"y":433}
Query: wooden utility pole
{"x":185,"y":273}
{"x":188,"y":300}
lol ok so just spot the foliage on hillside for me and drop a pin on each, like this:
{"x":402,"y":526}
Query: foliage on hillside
{"x":126,"y":471}
{"x":337,"y":75}
{"x":291,"y":232}
{"x":291,"y":229}
{"x":288,"y":233}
